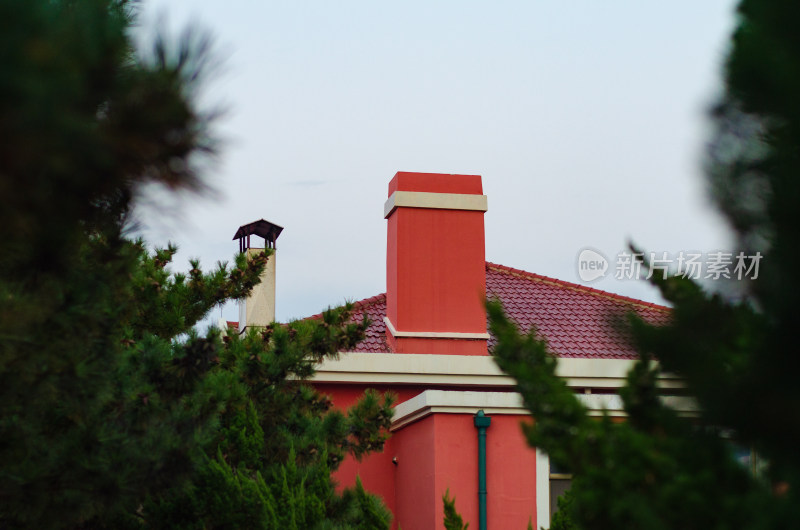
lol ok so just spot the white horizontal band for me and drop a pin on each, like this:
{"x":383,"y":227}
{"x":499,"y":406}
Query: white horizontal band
{"x":442,"y":201}
{"x":467,"y":370}
{"x":432,"y":334}
{"x":456,"y":402}
{"x":469,"y":402}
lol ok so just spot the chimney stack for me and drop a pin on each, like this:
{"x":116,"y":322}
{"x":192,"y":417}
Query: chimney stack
{"x":259,"y":308}
{"x":436,"y":264}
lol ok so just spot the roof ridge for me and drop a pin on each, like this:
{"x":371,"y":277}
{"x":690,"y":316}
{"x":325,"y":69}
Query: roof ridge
{"x":369,"y":301}
{"x":575,"y":286}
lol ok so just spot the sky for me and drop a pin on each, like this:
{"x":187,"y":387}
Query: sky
{"x":587,"y":121}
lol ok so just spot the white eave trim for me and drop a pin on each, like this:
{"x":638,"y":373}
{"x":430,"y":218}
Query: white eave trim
{"x":432,"y":334}
{"x":441,"y":201}
{"x":466,"y":370}
{"x":455,"y":402}
{"x":470,"y":402}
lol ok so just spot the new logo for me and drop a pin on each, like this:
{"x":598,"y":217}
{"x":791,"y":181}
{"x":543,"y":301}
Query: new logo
{"x":592,"y":265}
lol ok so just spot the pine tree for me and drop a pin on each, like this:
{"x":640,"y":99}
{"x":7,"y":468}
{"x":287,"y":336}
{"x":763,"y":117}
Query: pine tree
{"x":452,"y":519}
{"x":735,"y":351}
{"x":114,"y":411}
{"x":562,"y":519}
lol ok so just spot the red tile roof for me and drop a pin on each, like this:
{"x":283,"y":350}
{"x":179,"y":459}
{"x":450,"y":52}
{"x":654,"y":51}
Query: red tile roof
{"x":576,"y":320}
{"x":375,"y":309}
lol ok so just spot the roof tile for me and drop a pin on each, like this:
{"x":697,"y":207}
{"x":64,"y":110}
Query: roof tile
{"x":576,"y":321}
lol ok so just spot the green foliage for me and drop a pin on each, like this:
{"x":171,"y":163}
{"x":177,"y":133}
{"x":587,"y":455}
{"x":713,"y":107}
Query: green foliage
{"x":363,"y":511}
{"x":114,"y":411}
{"x":736,"y":349}
{"x":654,"y":471}
{"x":452,"y":519}
{"x":562,"y":519}
{"x":278,"y":440}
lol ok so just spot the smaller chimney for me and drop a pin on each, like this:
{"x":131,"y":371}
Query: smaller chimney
{"x":259,"y":308}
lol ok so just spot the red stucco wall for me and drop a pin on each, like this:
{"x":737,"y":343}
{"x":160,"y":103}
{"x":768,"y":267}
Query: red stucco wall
{"x":511,"y":477}
{"x":438,"y":452}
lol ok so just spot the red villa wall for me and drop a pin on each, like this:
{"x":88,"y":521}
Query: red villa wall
{"x":511,"y":474}
{"x":438,"y":452}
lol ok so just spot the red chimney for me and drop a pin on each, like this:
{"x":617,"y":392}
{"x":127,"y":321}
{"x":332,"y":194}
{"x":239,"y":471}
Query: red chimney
{"x":435,"y":264}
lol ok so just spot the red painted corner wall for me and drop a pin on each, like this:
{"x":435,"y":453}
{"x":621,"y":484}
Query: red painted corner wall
{"x":420,"y":483}
{"x":511,"y":477}
{"x":438,"y":452}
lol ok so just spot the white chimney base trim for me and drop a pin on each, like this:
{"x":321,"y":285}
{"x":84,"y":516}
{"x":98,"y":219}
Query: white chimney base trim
{"x":432,"y":334}
{"x":441,"y":201}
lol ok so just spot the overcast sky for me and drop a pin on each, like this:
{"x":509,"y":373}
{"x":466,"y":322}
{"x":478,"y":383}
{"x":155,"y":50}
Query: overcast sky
{"x":586,"y":119}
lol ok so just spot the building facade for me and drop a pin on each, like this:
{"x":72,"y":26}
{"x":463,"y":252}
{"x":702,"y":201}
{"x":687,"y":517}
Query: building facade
{"x":428,"y":343}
